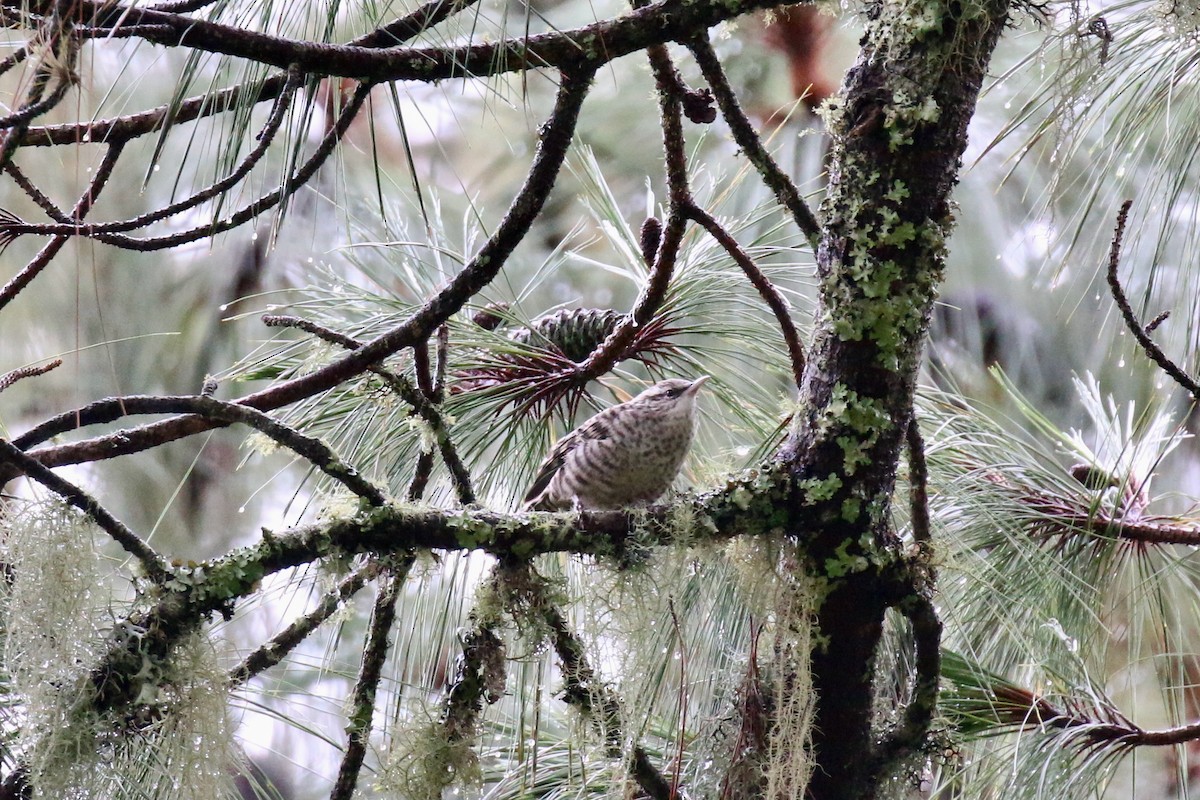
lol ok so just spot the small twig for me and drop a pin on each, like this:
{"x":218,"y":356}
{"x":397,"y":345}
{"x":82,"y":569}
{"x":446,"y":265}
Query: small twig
{"x":1056,"y":518}
{"x":313,"y":450}
{"x":908,"y":736}
{"x":11,"y":377}
{"x":155,"y":567}
{"x":1098,"y":27}
{"x":35,"y":194}
{"x":22,"y":117}
{"x":918,"y":481}
{"x":418,"y":400}
{"x":133,"y":126}
{"x":1013,"y":706}
{"x":421,"y":475}
{"x":766,"y":290}
{"x":442,"y":365}
{"x":668,"y":86}
{"x":34,"y":105}
{"x":786,"y":193}
{"x":82,"y":206}
{"x":274,"y":651}
{"x":13,"y":58}
{"x":423,"y":369}
{"x":1153,"y":324}
{"x":362,"y":703}
{"x":1153,"y":351}
{"x":62,"y":50}
{"x":124,"y":32}
{"x":654,"y":24}
{"x":411,"y":25}
{"x":181,"y":6}
{"x":683,"y":701}
{"x":745,"y":770}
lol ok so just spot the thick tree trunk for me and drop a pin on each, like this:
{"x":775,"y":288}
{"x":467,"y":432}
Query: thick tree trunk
{"x":898,"y":136}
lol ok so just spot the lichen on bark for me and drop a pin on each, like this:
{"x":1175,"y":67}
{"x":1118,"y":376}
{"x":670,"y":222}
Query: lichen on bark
{"x":898,"y":130}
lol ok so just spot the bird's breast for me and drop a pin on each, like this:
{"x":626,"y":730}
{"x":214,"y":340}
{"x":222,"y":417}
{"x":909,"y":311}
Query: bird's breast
{"x":636,"y":464}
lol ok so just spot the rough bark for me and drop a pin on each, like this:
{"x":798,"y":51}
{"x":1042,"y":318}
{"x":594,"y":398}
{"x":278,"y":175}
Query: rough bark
{"x":898,"y":134}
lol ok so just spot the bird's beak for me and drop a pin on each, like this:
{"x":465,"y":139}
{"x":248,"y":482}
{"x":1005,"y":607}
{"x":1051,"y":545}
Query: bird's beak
{"x":696,"y":384}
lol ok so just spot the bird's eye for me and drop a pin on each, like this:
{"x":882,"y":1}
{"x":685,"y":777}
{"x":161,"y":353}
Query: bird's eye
{"x":674,"y":392}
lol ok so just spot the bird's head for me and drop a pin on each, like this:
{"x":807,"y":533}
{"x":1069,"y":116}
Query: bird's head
{"x":673,"y":393}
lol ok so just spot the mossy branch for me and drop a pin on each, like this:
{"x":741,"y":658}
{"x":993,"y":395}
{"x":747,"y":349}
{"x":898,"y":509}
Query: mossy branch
{"x":199,"y":590}
{"x":583,"y":688}
{"x":362,"y":703}
{"x":152,"y":563}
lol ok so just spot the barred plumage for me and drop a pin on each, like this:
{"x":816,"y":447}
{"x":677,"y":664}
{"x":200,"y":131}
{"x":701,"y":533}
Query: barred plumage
{"x":624,"y":456}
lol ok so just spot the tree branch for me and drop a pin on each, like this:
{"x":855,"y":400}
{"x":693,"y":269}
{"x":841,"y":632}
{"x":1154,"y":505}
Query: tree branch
{"x":668,"y":88}
{"x":82,"y":206}
{"x":1008,"y":705}
{"x":193,"y":108}
{"x":265,"y":138}
{"x":362,"y":703}
{"x":555,"y":141}
{"x":153,"y":564}
{"x":10,"y":229}
{"x":12,"y":376}
{"x":766,"y":290}
{"x":909,"y":735}
{"x":35,"y":194}
{"x":657,"y":23}
{"x":918,"y":482}
{"x":284,"y":642}
{"x":1140,"y":333}
{"x":209,"y":408}
{"x":786,"y":193}
{"x":132,"y":126}
{"x":419,"y":401}
{"x":1061,"y":518}
{"x":583,"y":688}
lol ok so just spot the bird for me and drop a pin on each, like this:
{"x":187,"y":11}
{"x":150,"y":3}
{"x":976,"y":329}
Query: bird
{"x":627,"y":455}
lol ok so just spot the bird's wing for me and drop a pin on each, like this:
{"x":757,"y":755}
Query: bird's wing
{"x":595,"y":429}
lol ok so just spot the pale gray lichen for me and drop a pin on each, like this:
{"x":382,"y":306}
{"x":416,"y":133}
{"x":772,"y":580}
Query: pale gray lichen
{"x":174,"y":737}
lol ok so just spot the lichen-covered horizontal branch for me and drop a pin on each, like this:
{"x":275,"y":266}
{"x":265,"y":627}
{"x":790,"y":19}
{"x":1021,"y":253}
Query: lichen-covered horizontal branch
{"x":749,"y":505}
{"x":394,"y":528}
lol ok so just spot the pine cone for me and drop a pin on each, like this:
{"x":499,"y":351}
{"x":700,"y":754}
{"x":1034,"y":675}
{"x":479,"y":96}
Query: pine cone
{"x":575,"y":332}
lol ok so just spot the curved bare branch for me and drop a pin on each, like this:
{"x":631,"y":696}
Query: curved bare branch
{"x":420,"y":326}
